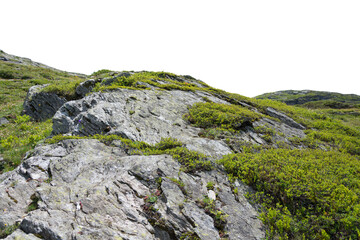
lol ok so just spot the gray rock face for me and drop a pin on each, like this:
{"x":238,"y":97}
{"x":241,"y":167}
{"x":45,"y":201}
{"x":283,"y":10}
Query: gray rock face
{"x":88,"y":190}
{"x":144,"y":115}
{"x":41,"y":105}
{"x":285,"y":119}
{"x":3,"y":121}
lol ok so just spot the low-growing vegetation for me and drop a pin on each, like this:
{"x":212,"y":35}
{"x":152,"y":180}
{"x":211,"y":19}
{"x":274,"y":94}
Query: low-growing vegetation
{"x":8,"y":230}
{"x":306,"y":193}
{"x":214,"y":115}
{"x":18,"y":137}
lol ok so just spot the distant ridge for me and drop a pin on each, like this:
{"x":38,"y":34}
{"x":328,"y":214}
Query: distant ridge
{"x":28,"y":62}
{"x":314,"y":99}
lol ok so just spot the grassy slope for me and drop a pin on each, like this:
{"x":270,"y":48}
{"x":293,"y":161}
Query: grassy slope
{"x":311,"y":193}
{"x":21,"y":134}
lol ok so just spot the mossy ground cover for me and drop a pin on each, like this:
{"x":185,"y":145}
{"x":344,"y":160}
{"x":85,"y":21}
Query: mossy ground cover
{"x":214,"y":115}
{"x":311,"y":193}
{"x":18,"y":137}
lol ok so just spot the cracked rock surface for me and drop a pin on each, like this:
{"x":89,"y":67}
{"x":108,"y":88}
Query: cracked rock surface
{"x":102,"y":193}
{"x":139,"y":115}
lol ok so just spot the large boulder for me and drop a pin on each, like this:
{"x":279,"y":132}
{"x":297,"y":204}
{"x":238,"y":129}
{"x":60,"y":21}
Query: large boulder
{"x":41,"y":105}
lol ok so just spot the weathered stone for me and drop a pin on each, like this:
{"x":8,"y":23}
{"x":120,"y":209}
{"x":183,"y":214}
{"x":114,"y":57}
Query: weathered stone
{"x":284,"y":118}
{"x":138,"y":115}
{"x":41,"y":105}
{"x":204,"y":224}
{"x":100,"y":195}
{"x":3,"y":121}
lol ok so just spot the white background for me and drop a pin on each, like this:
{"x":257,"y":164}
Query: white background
{"x":247,"y":47}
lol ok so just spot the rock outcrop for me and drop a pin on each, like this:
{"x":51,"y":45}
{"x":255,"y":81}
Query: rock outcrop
{"x":138,"y":115}
{"x":3,"y":121}
{"x":87,"y":189}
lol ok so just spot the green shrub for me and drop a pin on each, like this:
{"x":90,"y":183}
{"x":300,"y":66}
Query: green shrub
{"x":192,"y":161}
{"x":6,"y":74}
{"x":168,"y":143}
{"x":18,"y":71}
{"x":215,"y":115}
{"x":305,"y":192}
{"x":22,"y":119}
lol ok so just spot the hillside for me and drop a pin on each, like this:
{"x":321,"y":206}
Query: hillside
{"x":314,"y":99}
{"x":343,"y":107}
{"x":155,"y":155}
